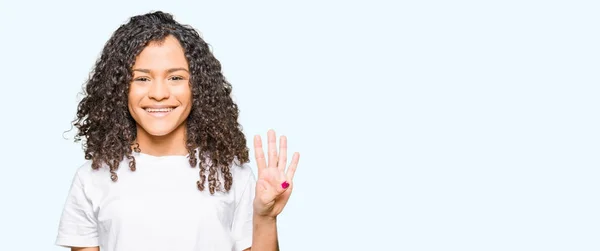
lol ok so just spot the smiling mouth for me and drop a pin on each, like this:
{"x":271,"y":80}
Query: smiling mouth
{"x":159,"y":112}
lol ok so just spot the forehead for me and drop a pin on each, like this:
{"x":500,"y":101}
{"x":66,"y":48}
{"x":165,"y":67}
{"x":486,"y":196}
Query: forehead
{"x":162,"y":55}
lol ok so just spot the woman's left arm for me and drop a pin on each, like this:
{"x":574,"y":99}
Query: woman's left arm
{"x":273,"y":189}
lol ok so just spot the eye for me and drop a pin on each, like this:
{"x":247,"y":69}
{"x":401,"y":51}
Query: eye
{"x":177,"y":78}
{"x":142,"y":79}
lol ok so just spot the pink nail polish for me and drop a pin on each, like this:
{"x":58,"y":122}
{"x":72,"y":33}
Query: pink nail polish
{"x":285,"y":185}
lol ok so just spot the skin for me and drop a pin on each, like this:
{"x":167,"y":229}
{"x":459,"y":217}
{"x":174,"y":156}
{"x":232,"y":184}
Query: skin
{"x":271,"y":197}
{"x":161,"y":79}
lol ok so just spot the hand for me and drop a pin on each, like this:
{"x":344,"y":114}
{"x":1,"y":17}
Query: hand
{"x":274,"y":184}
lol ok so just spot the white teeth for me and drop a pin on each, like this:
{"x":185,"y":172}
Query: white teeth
{"x":158,"y":109}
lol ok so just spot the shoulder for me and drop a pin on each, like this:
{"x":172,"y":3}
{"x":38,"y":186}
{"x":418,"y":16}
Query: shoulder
{"x":82,"y":179}
{"x":241,"y":173}
{"x":85,"y":169}
{"x":242,"y":176}
{"x":85,"y":174}
{"x":243,"y":182}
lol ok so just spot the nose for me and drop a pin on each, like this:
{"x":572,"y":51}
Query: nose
{"x":159,"y":90}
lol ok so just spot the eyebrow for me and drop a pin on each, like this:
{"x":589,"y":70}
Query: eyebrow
{"x":168,"y":71}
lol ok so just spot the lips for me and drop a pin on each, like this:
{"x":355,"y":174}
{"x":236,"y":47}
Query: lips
{"x":159,"y":111}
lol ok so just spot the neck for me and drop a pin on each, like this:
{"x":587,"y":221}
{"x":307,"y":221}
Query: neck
{"x":171,"y":144}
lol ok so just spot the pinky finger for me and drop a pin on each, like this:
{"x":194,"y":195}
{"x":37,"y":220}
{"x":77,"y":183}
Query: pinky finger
{"x":292,"y":168}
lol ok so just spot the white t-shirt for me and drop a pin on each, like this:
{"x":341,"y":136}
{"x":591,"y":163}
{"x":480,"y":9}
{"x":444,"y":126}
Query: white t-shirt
{"x":157,"y":207}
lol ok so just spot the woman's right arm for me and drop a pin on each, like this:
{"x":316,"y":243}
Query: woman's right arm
{"x":85,"y":249}
{"x":78,"y":226}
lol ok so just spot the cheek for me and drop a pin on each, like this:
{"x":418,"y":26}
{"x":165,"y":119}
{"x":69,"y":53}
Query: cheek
{"x":184,"y":95}
{"x":135,"y":96}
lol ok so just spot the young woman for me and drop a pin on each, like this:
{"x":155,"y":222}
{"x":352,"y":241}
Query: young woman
{"x":167,"y":161}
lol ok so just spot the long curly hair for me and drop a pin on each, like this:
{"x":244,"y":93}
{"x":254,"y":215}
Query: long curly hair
{"x":108,"y":129}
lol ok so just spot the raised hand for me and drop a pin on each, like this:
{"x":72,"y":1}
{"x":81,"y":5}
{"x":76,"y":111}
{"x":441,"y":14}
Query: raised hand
{"x":275,"y":183}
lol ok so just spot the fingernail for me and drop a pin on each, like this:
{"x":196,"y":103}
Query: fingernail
{"x":285,"y":185}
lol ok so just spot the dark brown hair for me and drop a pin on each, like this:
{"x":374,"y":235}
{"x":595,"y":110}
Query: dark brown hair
{"x":103,"y":118}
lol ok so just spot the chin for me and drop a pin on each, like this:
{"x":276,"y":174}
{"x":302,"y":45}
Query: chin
{"x":162,"y":127}
{"x":159,"y":131}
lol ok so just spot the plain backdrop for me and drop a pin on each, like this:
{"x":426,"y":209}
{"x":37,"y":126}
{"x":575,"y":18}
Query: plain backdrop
{"x":422,"y":125}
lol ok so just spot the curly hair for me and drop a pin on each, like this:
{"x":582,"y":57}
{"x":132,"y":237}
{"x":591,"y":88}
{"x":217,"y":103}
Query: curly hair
{"x":109,"y":130}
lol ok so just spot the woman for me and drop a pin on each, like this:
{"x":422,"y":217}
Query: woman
{"x":167,"y":161}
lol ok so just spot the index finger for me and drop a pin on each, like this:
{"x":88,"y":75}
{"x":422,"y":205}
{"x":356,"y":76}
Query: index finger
{"x":259,"y":154}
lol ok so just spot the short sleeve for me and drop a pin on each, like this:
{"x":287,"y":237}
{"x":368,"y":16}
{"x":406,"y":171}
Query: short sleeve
{"x":78,"y":224}
{"x":242,"y":219}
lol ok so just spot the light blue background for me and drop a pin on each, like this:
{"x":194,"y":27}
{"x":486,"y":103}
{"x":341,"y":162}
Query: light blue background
{"x":422,"y":125}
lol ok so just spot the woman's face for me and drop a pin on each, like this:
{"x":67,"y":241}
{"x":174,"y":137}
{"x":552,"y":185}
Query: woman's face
{"x":160,"y":98}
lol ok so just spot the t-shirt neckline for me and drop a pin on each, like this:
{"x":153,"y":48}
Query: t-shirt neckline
{"x":162,"y":157}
